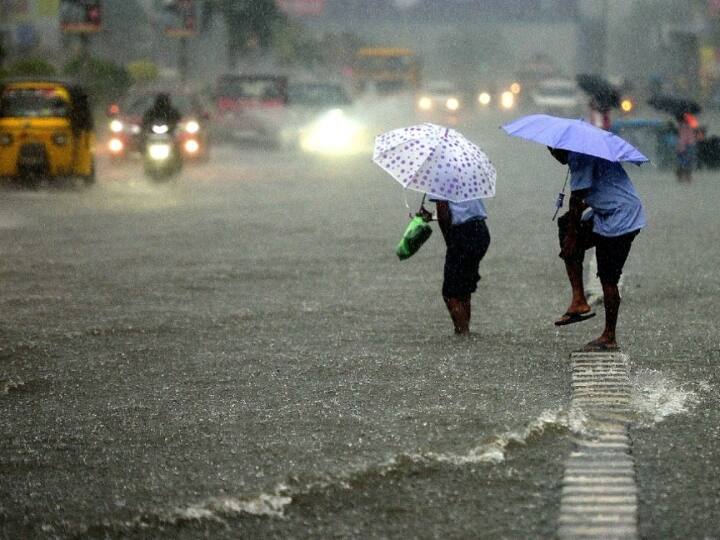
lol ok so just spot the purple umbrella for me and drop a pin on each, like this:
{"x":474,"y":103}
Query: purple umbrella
{"x":575,"y":136}
{"x":436,"y":160}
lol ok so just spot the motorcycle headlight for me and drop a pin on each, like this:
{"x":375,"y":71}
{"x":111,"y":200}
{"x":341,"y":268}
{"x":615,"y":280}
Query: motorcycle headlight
{"x":159,"y":152}
{"x":192,"y":127}
{"x":627,"y":105}
{"x":484,"y":98}
{"x":452,"y":104}
{"x":160,"y":129}
{"x":116,"y":126}
{"x":60,"y":139}
{"x":191,"y":146}
{"x":135,"y":129}
{"x":115,"y":146}
{"x":6,"y":139}
{"x":425,"y":103}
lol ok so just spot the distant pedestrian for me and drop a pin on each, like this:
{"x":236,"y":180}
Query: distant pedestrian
{"x":599,"y":116}
{"x":616,"y":216}
{"x":467,"y":239}
{"x":686,"y":149}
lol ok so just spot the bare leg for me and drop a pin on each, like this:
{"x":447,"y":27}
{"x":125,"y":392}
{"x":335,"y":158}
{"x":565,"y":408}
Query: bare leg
{"x":578,"y":303}
{"x":607,"y":339}
{"x":459,"y":314}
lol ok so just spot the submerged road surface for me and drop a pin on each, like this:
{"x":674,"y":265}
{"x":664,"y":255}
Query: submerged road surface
{"x":240,"y":354}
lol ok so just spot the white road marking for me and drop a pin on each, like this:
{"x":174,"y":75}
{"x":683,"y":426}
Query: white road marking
{"x":599,"y":493}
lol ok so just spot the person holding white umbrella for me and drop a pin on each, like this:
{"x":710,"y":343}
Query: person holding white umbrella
{"x":456,"y":175}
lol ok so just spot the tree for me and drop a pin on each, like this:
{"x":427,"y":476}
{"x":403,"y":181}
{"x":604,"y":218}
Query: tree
{"x":249,"y":24}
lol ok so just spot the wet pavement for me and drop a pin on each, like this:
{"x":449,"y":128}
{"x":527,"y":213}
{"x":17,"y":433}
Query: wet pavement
{"x":239,"y":353}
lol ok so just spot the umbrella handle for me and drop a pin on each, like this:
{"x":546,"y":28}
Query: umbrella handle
{"x":561,"y":196}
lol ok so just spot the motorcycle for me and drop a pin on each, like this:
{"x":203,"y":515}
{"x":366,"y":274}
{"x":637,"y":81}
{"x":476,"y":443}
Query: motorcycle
{"x":161,"y":157}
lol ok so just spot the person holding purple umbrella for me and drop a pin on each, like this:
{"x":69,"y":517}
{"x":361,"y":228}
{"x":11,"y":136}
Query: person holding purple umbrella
{"x":605,"y":210}
{"x":614,"y":219}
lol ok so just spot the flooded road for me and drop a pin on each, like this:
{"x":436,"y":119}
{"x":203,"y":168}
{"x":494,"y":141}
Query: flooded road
{"x":240,"y":354}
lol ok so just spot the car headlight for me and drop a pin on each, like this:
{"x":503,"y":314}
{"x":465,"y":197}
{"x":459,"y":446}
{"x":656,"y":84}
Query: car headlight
{"x":334,"y":133}
{"x":192,"y":127}
{"x":425,"y":103}
{"x":507,"y":100}
{"x":452,"y":104}
{"x":627,"y":105}
{"x":159,"y":152}
{"x":515,"y":88}
{"x":6,"y":139}
{"x":116,"y":126}
{"x":484,"y":98}
{"x":135,"y":129}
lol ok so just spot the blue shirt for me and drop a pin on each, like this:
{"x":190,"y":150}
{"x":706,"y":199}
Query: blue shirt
{"x":462,"y":212}
{"x":616,"y":207}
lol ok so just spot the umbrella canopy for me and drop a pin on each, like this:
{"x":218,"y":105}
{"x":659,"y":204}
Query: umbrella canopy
{"x":576,"y":136}
{"x":674,"y":105}
{"x":605,"y":94}
{"x":436,"y":160}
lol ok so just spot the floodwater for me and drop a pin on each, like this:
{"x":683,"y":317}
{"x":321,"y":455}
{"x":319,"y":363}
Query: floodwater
{"x":240,"y":354}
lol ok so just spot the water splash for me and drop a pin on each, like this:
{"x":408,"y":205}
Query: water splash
{"x":271,"y":505}
{"x":494,"y":450}
{"x":654,"y":397}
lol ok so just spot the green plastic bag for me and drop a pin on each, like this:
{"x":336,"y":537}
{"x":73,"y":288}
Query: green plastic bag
{"x":417,"y":232}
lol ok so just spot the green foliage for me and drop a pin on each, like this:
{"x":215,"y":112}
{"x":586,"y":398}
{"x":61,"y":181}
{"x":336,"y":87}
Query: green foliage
{"x":143,"y":71}
{"x":104,"y":80}
{"x":30,"y":67}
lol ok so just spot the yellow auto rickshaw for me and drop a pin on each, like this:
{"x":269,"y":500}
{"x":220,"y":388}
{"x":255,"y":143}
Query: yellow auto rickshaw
{"x":46,"y":131}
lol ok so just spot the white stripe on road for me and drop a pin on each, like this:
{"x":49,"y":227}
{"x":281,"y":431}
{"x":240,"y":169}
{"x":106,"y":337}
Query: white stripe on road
{"x":599,"y":493}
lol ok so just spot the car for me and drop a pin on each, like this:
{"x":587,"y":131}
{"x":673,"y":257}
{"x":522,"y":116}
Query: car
{"x":439,"y":98}
{"x":561,"y":97}
{"x":504,"y":97}
{"x":125,"y":121}
{"x":250,"y":107}
{"x":321,"y":118}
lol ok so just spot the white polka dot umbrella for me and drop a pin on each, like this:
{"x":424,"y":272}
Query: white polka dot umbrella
{"x":436,"y":160}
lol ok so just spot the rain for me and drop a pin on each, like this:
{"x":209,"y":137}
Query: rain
{"x":239,"y":250}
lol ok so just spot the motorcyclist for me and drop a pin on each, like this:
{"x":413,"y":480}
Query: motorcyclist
{"x":162,"y":112}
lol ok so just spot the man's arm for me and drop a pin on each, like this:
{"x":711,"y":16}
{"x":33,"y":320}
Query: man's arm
{"x":444,"y":218}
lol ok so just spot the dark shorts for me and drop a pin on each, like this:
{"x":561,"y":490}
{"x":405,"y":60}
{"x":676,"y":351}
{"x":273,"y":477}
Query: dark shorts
{"x":466,"y":246}
{"x":611,"y":251}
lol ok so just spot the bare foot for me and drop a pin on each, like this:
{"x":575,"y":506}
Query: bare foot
{"x":601,"y":344}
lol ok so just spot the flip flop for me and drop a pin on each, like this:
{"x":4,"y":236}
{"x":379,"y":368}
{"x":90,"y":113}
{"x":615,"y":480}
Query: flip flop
{"x":571,"y":318}
{"x":598,"y":346}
